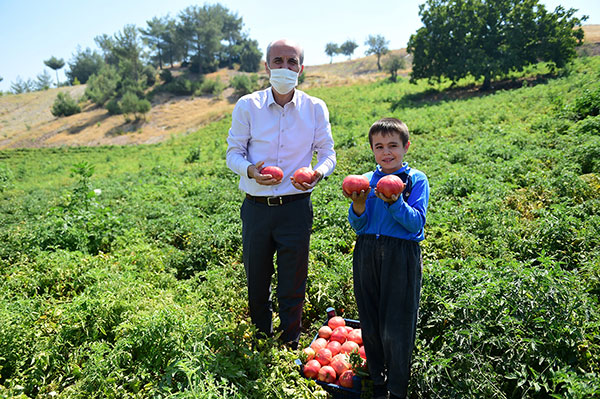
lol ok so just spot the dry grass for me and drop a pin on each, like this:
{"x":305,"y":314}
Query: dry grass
{"x":26,"y":121}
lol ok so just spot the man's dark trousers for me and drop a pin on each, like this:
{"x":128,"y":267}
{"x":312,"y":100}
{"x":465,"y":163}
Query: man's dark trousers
{"x":285,"y":230}
{"x":387,"y":285}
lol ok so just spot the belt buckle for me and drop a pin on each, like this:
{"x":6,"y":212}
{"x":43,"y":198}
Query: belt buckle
{"x":278,"y":201}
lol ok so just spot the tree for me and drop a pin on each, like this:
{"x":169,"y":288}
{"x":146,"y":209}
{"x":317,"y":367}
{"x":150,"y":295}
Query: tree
{"x":64,"y":105}
{"x":250,"y":56}
{"x":485,"y":39}
{"x":378,"y":46}
{"x":348,"y":47}
{"x":83,"y":65}
{"x":331,"y":49}
{"x":210,"y":33}
{"x":154,"y":37}
{"x":56,"y":64}
{"x":22,"y":86}
{"x":44,"y":81}
{"x":392,"y":64}
{"x":132,"y":104}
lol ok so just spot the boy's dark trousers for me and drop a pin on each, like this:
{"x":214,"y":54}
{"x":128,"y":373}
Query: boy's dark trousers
{"x":387,"y":286}
{"x":285,"y":230}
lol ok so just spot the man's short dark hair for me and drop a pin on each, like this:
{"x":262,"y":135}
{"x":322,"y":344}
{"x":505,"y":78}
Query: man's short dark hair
{"x":388,"y":126}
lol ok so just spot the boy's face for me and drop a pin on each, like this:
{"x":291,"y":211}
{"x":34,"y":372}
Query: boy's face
{"x":389,"y":151}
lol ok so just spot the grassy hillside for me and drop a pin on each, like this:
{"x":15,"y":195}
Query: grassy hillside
{"x":138,"y":290}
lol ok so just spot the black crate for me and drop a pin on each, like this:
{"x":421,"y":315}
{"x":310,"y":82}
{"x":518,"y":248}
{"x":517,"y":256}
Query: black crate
{"x":338,"y":391}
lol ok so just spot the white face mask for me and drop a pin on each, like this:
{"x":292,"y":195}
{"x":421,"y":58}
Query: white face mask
{"x":283,"y":80}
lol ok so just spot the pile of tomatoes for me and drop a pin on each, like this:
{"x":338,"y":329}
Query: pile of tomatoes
{"x":328,"y":356}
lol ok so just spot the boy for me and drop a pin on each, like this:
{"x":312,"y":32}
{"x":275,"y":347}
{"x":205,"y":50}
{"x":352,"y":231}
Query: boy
{"x":387,"y":263}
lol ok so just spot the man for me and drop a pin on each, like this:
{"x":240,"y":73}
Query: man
{"x":279,"y":126}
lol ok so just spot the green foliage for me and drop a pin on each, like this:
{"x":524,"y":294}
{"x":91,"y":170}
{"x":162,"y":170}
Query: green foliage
{"x":65,"y":105}
{"x":102,"y":87}
{"x":249,"y":56}
{"x":166,"y":76}
{"x":348,"y":47}
{"x":331,"y":49}
{"x":182,"y":86}
{"x":139,"y":290}
{"x":212,"y":86}
{"x":392,"y":64}
{"x":244,"y":84}
{"x":6,"y":177}
{"x":488,"y":39}
{"x":378,"y":45}
{"x":83,"y":65}
{"x":132,"y":104}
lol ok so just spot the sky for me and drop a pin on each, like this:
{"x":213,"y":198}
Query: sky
{"x":32,"y":31}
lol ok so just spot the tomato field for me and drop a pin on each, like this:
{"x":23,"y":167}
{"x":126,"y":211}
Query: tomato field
{"x":121,"y":273}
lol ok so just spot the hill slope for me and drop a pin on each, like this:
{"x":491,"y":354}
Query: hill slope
{"x":26,"y":120}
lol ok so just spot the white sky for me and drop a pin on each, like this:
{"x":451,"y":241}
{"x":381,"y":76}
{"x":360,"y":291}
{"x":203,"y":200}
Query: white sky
{"x":32,"y":31}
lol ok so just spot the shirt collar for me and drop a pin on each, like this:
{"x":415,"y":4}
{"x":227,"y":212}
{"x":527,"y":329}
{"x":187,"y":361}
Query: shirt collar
{"x":271,"y":99}
{"x":404,"y":168}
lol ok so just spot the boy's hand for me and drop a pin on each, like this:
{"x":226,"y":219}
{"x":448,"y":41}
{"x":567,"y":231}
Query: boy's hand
{"x":265,"y":180}
{"x":389,"y":200}
{"x":359,"y":200}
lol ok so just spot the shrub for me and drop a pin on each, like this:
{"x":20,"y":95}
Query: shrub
{"x":212,"y":86}
{"x":102,"y":86}
{"x":65,"y":105}
{"x":244,"y":84}
{"x":132,"y":104}
{"x":182,"y":86}
{"x":166,"y":76}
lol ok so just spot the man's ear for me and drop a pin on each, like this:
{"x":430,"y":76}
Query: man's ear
{"x":407,"y":145}
{"x":267,"y":70}
{"x":301,"y":70}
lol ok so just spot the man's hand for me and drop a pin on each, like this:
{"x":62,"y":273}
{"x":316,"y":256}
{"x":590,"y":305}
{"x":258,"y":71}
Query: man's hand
{"x":265,"y":180}
{"x":359,"y":200}
{"x":389,"y":200}
{"x":307,"y":186}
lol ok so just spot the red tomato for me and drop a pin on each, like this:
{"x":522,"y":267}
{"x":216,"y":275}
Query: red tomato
{"x":318,"y":343}
{"x":339,"y":334}
{"x":325,"y":332}
{"x":346,"y":379}
{"x":274,"y":171}
{"x":327,"y":374}
{"x":334,"y":347}
{"x":340,"y":363}
{"x":390,"y":185}
{"x":356,"y":336}
{"x":355,"y":184}
{"x":349,"y":347}
{"x":311,"y":369}
{"x":335,"y":322}
{"x":324,"y":356}
{"x":304,"y":175}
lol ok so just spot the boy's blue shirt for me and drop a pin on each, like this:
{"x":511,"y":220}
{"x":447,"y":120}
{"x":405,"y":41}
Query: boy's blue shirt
{"x":402,"y":219}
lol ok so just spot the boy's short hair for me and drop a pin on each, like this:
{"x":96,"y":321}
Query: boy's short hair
{"x":387,"y":126}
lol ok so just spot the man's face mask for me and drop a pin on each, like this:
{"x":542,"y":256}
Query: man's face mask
{"x":283,"y":80}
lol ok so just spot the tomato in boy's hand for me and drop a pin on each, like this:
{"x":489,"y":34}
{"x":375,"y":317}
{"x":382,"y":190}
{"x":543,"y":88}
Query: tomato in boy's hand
{"x":355,"y":184}
{"x":390,"y":185}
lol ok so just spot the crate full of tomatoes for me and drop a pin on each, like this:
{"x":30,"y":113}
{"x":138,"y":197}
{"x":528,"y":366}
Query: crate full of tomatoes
{"x":336,"y":357}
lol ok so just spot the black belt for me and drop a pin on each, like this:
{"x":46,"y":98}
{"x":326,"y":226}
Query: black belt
{"x":276,"y":201}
